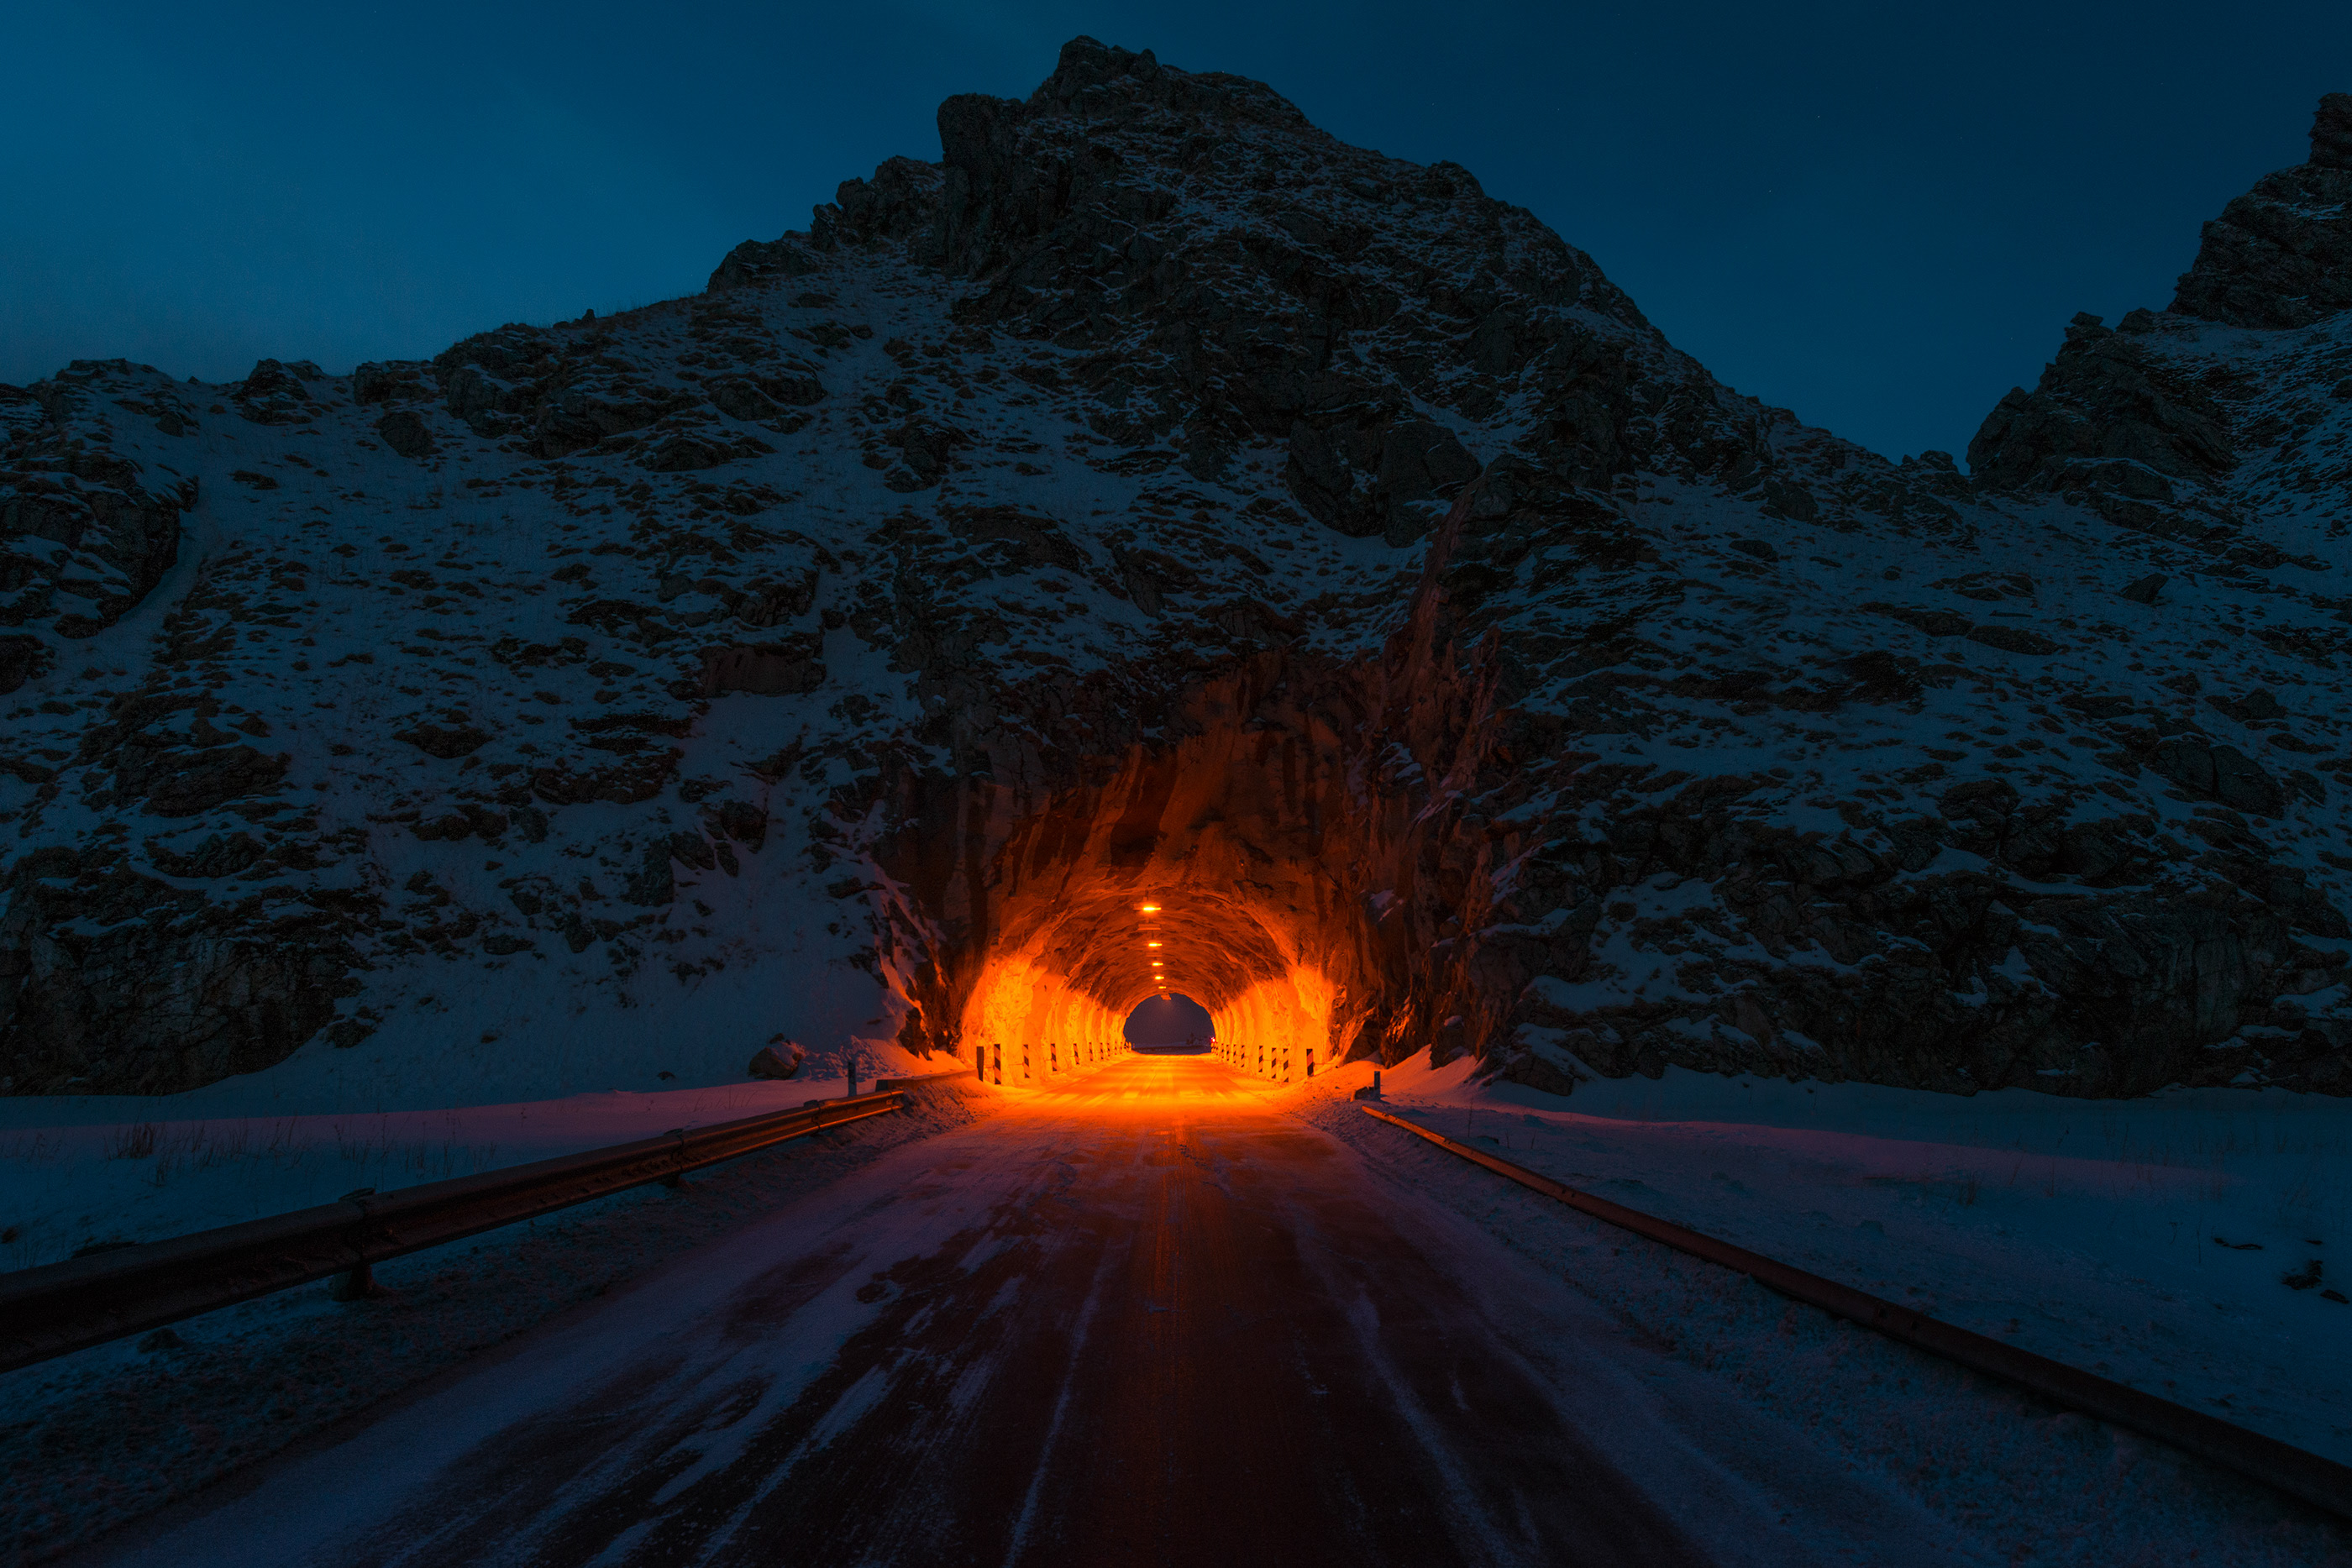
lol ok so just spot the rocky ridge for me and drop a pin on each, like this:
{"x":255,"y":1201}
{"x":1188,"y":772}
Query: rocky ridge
{"x":879,"y":612}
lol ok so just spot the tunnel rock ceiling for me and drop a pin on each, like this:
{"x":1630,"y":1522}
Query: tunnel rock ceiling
{"x":1158,"y":501}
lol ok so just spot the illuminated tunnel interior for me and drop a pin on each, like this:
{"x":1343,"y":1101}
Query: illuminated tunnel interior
{"x":1086,"y":966}
{"x":1287,"y":852}
{"x":1228,"y":868}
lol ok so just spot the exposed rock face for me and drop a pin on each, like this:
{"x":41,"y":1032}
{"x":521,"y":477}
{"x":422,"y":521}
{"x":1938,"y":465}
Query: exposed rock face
{"x":2281,"y":255}
{"x":2110,"y":416}
{"x":118,"y":982}
{"x":85,"y":534}
{"x":1155,"y":501}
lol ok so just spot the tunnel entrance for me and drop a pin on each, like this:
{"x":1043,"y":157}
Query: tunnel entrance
{"x":1250,"y":863}
{"x":1287,"y":846}
{"x":1170,"y":1021}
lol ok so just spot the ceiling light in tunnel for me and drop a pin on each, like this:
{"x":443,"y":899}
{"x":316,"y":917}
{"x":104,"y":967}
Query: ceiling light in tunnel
{"x":1151,"y":944}
{"x":1149,"y":908}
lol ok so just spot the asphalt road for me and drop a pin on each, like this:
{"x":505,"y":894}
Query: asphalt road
{"x":1149,"y":1320}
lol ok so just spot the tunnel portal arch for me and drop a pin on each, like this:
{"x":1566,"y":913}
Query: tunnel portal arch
{"x":1293,"y":828}
{"x":1279,"y":860}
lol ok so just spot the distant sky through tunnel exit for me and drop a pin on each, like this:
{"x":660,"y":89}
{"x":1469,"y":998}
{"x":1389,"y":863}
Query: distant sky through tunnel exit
{"x":1169,"y":1020}
{"x":1880,"y":217}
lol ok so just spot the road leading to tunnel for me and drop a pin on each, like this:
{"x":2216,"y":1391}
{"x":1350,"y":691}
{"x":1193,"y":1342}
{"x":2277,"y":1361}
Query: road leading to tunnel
{"x":1148,"y":1320}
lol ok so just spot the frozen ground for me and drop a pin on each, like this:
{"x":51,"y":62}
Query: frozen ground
{"x":2145,"y":1239}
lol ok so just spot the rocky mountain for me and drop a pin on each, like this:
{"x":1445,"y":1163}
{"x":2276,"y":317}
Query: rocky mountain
{"x":1157,"y":501}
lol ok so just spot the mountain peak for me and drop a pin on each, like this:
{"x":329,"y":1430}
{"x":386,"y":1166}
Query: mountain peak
{"x":1088,"y":66}
{"x":2331,"y":132}
{"x":1088,"y":62}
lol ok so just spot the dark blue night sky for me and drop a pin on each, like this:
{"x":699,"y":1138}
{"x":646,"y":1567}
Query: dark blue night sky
{"x":1880,"y":217}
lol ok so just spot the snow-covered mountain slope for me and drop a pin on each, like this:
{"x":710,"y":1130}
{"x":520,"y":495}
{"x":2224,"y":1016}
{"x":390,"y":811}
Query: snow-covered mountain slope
{"x":1159,"y":501}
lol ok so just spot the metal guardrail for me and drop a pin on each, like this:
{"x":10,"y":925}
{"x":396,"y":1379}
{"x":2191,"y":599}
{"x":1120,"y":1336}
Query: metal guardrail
{"x":59,"y":1308}
{"x":2317,"y":1480}
{"x":958,"y":1075}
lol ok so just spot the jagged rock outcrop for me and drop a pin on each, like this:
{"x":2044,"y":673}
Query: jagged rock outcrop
{"x":1158,"y":500}
{"x":2112,"y":419}
{"x":85,"y":534}
{"x":119,"y":982}
{"x":2143,"y":425}
{"x":2281,"y":255}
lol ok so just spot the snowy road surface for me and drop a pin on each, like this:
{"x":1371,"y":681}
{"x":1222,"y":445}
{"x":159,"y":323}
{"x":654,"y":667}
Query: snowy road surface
{"x":1151,"y":1319}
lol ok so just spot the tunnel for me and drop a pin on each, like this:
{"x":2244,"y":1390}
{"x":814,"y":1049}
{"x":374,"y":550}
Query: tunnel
{"x":1199,"y":869}
{"x":1225,"y":864}
{"x":1285,"y":845}
{"x":1288,"y":826}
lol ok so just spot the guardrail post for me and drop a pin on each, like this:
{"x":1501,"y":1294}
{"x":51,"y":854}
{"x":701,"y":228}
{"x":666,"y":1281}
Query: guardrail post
{"x":354,"y":1284}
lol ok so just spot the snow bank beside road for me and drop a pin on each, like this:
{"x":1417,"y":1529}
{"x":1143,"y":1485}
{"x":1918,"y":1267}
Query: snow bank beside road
{"x":2151,"y":1240}
{"x":2036,"y":1487}
{"x":77,"y":1172}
